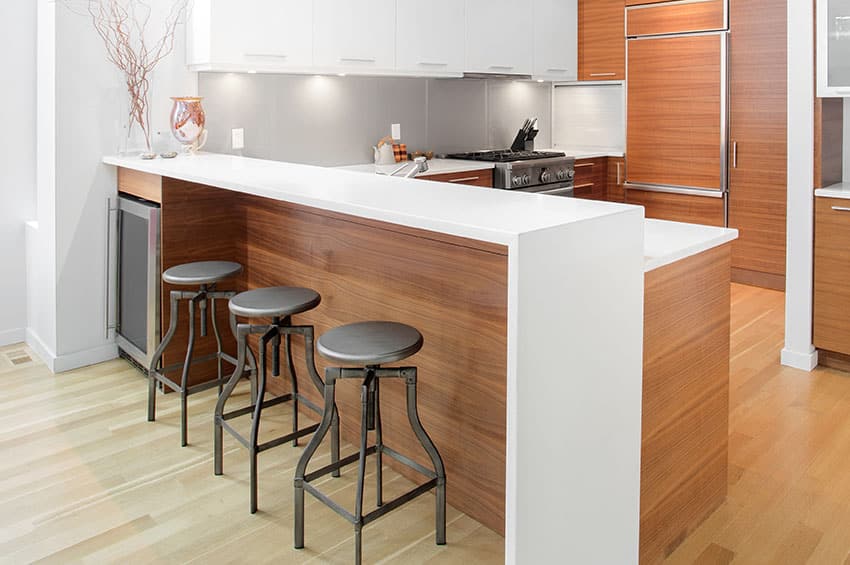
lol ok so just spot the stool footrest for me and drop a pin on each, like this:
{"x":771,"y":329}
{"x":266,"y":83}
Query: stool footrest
{"x":227,"y":427}
{"x":378,"y":512}
{"x":249,"y":409}
{"x":338,"y":465}
{"x":287,"y":438}
{"x":399,"y":501}
{"x":160,"y":375}
{"x":404,"y":460}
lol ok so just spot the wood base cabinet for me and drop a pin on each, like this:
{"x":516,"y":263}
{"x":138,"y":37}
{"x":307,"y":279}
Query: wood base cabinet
{"x":616,"y":179}
{"x":832,"y":275}
{"x":679,"y":207}
{"x":591,"y":180}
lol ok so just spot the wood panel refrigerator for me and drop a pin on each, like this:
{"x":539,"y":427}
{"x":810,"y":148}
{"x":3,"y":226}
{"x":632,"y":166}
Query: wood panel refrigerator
{"x":677,"y":110}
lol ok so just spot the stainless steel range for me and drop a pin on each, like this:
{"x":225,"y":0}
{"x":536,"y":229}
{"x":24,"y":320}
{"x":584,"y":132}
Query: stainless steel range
{"x":541,"y":172}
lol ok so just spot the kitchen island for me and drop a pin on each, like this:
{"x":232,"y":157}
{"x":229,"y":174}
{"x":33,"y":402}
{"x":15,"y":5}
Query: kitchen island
{"x":531,"y":308}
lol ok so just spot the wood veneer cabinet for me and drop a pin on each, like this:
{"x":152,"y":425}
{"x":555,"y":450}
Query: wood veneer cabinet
{"x":591,"y":180}
{"x":601,"y":40}
{"x":832,"y":275}
{"x":616,"y":179}
{"x":483,"y":177}
{"x":758,"y":140}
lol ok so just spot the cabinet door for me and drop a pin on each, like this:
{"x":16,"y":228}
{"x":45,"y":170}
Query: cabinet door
{"x":833,"y":27}
{"x":832,"y":275}
{"x":616,"y":179}
{"x":556,"y":39}
{"x":257,"y":34}
{"x":354,"y":35}
{"x":430,"y":41}
{"x":601,"y":40}
{"x":499,"y":36}
{"x":591,"y":180}
{"x":675,"y":112}
{"x":758,"y":133}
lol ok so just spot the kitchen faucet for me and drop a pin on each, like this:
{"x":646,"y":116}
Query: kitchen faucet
{"x":420,"y":165}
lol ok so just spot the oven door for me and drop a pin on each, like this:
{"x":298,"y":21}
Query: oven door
{"x":554,"y":189}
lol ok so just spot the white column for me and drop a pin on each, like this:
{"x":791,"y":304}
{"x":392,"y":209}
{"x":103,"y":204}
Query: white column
{"x":799,"y":351}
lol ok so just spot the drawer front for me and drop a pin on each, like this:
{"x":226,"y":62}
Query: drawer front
{"x":676,"y":17}
{"x":679,"y":207}
{"x":832,"y":275}
{"x":483,"y":177}
{"x":591,"y":180}
{"x":616,"y":178}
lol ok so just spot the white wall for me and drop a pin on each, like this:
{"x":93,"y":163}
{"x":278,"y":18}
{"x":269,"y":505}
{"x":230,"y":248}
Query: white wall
{"x":17,"y":159}
{"x":81,"y":116}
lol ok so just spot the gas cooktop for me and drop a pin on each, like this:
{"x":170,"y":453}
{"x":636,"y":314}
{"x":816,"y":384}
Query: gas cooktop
{"x":505,"y":156}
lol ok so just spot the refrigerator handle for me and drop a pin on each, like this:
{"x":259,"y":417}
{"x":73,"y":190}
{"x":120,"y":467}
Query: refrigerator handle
{"x":734,"y":154}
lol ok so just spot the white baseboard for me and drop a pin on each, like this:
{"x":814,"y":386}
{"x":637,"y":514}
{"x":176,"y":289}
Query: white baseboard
{"x":805,"y":361}
{"x":70,"y":361}
{"x":11,"y":337}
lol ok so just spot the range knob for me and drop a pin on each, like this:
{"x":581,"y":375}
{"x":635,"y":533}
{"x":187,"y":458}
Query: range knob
{"x":562,"y":174}
{"x":571,"y":174}
{"x":517,"y":181}
{"x":526,"y":180}
{"x":546,"y":177}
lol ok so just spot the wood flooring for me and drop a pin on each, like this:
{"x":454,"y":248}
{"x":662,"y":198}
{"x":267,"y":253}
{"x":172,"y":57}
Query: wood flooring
{"x":84,"y":478}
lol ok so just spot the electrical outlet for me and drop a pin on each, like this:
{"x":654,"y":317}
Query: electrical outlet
{"x":396,"y":132}
{"x":237,"y":140}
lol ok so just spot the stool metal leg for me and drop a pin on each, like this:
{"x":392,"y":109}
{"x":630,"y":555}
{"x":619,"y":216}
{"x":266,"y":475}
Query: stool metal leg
{"x":184,"y":380}
{"x":310,"y":357}
{"x":241,"y":332}
{"x":252,"y":362}
{"x":379,"y":445}
{"x":276,"y":347}
{"x":157,"y":356}
{"x":331,"y":374}
{"x":365,"y":409}
{"x":218,"y":349}
{"x":293,"y":383}
{"x":413,"y":416}
{"x":255,"y":423}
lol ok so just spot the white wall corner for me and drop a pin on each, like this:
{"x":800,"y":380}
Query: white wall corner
{"x":41,"y":349}
{"x":11,"y":337}
{"x":805,"y":361}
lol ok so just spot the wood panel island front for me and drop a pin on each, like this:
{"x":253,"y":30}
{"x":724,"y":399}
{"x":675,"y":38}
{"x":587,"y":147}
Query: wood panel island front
{"x":532,"y":309}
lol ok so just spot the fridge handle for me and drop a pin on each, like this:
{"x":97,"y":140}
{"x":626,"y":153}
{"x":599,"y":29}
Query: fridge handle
{"x":734,"y":154}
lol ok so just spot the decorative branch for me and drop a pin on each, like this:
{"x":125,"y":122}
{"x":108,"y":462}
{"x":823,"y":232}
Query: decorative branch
{"x":123,"y":27}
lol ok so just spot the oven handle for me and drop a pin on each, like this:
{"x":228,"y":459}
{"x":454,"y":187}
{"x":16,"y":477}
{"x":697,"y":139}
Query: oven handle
{"x":561,"y":191}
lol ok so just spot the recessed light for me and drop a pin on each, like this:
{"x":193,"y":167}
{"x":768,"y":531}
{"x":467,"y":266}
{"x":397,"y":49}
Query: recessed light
{"x":341,"y":75}
{"x":540,"y":80}
{"x":252,"y":72}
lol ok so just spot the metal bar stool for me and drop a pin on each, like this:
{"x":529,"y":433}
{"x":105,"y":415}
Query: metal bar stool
{"x":204,"y":274}
{"x":369,"y":345}
{"x":279,"y":304}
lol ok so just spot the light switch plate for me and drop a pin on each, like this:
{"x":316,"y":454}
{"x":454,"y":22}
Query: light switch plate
{"x":396,"y":132}
{"x":237,"y":140}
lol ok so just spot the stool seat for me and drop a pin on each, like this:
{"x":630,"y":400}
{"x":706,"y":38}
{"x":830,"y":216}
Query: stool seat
{"x":278,"y":301}
{"x":201,"y":272}
{"x":370,"y":343}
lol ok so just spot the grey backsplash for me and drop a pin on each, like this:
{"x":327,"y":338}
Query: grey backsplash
{"x":330,"y":120}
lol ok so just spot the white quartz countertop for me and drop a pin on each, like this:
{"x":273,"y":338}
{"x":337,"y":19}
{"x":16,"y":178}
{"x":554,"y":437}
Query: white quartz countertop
{"x":588,"y":152}
{"x":435,"y":167}
{"x":840,"y":190}
{"x":484,"y":214}
{"x":668,"y":242}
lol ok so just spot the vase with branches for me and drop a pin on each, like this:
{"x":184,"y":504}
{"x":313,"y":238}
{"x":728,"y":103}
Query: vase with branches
{"x":132,"y":48}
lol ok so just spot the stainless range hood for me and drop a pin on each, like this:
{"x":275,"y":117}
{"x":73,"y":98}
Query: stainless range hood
{"x":497,"y":75}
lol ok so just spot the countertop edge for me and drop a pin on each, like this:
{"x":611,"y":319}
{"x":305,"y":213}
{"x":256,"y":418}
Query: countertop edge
{"x":718,"y":237}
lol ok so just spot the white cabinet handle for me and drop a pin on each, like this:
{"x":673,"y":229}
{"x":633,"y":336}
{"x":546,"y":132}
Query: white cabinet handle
{"x":432,"y":64}
{"x":467,"y":179}
{"x":501,"y":67}
{"x":603,"y":74}
{"x":267,"y":55}
{"x":554,"y":70}
{"x":357,"y":59}
{"x":841,"y":209}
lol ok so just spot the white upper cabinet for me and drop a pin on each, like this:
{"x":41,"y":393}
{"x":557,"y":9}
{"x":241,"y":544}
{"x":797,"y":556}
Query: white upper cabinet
{"x":833,"y":48}
{"x":430,"y":37}
{"x":499,"y":36}
{"x":354,"y":35}
{"x":251,"y":35}
{"x":556,"y":40}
